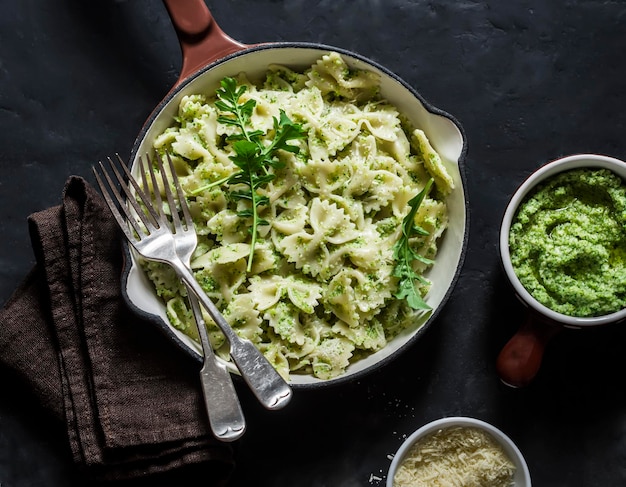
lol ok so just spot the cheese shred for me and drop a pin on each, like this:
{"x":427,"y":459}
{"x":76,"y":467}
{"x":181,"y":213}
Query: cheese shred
{"x":457,"y":456}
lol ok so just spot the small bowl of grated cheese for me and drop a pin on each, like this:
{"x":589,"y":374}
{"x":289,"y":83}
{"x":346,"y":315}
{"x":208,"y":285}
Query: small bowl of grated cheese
{"x":458,"y":452}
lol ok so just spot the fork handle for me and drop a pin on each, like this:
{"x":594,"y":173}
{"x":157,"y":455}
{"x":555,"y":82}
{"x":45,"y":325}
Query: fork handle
{"x":223,"y":408}
{"x":263,"y":379}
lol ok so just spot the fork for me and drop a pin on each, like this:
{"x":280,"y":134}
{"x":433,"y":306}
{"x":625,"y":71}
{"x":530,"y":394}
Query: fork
{"x":224,"y":410}
{"x":149,"y":232}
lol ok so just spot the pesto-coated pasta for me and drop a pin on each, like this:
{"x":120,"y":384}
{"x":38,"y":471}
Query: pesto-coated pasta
{"x":320,"y":292}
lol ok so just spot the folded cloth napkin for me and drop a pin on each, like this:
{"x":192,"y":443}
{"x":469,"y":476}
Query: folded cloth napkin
{"x":131,"y":402}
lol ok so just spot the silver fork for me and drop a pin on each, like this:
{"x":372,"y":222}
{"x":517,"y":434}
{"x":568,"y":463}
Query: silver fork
{"x":224,"y":410}
{"x":155,"y":240}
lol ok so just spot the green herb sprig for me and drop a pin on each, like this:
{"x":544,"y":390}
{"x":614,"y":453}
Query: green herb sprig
{"x":404,"y":255}
{"x":252,"y":156}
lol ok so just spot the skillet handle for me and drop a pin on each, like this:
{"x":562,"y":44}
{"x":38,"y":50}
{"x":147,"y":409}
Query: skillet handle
{"x":201,"y":39}
{"x":520,"y":359}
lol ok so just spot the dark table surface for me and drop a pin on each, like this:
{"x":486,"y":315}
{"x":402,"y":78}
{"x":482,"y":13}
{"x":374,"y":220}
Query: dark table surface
{"x":530,"y":81}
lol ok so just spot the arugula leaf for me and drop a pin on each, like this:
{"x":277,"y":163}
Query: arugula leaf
{"x":404,"y":255}
{"x":252,"y":156}
{"x":228,"y":101}
{"x":285,"y":130}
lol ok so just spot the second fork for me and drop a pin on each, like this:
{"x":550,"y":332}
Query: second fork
{"x":224,"y":410}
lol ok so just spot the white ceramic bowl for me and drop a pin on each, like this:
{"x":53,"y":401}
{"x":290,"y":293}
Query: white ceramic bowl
{"x":442,"y":130}
{"x":543,"y":173}
{"x":522,"y":474}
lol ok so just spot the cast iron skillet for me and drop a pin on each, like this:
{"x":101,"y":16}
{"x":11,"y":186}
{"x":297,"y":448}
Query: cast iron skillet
{"x":209,"y":55}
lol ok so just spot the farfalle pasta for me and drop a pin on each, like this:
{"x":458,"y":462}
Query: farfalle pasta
{"x":320,"y":292}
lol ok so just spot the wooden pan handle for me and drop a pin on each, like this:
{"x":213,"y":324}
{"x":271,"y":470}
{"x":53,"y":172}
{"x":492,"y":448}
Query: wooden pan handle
{"x":201,"y":39}
{"x":520,"y":359}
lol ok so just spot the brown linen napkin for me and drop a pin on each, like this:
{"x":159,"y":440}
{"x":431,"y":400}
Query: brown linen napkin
{"x":130,"y":400}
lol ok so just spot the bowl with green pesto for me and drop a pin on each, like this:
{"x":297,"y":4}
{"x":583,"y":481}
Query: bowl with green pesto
{"x":563,"y":241}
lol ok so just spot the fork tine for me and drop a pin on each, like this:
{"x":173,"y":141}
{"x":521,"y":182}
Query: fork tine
{"x":106,"y":193}
{"x":181,"y":195}
{"x":146,"y":169}
{"x":149,"y":169}
{"x":169,"y":195}
{"x":153,"y":223}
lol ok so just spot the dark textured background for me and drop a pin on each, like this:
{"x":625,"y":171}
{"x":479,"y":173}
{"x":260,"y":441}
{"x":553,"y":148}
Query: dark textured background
{"x":529,"y":80}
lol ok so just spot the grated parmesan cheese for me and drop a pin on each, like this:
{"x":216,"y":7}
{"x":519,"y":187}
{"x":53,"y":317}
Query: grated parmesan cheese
{"x":457,"y":456}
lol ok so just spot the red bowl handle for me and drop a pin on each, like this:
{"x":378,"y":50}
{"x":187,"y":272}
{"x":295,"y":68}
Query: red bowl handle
{"x":520,"y":359}
{"x":201,"y":39}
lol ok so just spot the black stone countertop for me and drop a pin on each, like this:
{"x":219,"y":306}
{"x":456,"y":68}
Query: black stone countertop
{"x":530,"y":81}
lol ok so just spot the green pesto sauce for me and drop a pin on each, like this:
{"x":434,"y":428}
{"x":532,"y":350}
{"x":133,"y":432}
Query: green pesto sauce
{"x":568,"y":243}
